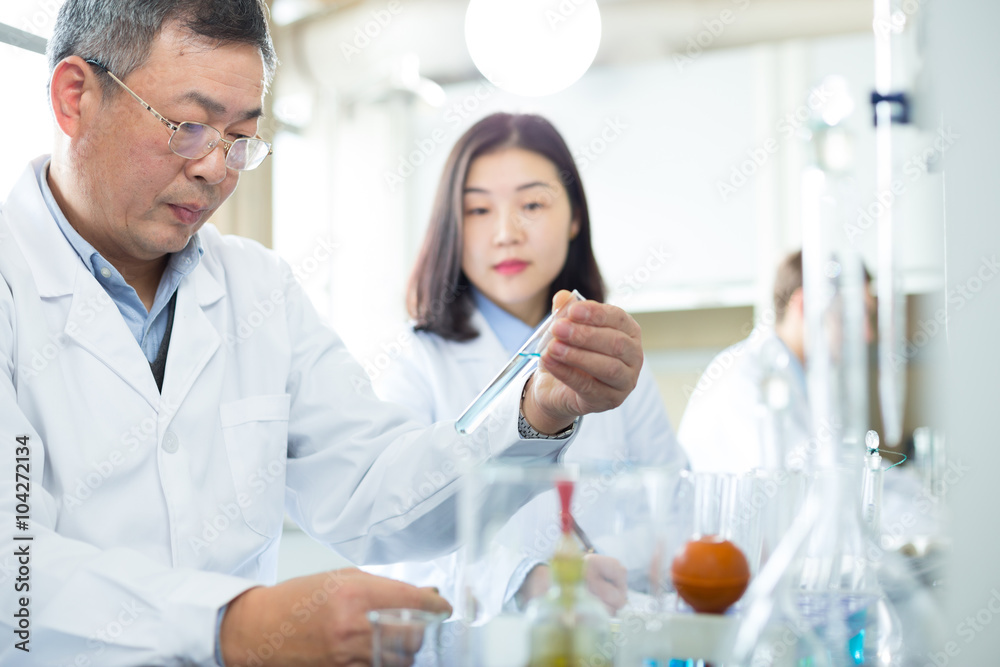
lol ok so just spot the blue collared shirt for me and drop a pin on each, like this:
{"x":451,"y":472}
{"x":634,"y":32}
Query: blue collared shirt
{"x":150,"y":326}
{"x":511,"y":331}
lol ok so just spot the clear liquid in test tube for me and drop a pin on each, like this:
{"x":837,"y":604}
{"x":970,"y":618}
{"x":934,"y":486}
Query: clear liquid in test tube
{"x":520,"y":365}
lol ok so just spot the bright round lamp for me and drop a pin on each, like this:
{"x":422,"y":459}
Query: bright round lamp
{"x":532,"y":47}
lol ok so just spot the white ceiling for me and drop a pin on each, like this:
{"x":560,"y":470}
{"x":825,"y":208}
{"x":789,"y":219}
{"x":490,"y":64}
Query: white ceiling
{"x":312,"y":33}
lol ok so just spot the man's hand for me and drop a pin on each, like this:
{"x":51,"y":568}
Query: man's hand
{"x":606,"y":578}
{"x":315,"y":620}
{"x":591,"y":365}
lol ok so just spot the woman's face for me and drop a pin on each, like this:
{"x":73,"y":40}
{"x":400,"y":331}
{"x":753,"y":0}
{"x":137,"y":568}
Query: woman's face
{"x":517,"y":225}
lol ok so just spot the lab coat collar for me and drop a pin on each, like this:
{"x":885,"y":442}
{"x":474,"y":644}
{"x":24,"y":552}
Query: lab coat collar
{"x":38,"y":236}
{"x":484,"y":346}
{"x":43,"y":244}
{"x":93,"y":320}
{"x":509,"y":330}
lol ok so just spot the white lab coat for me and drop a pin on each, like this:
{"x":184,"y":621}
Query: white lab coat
{"x":437,"y":379}
{"x":150,"y":510}
{"x":725,"y":426}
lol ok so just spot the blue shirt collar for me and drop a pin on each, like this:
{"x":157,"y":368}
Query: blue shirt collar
{"x":510,"y":331}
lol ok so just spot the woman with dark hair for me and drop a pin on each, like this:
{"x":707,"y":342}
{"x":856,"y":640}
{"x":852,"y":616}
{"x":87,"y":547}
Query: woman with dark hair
{"x":510,"y":228}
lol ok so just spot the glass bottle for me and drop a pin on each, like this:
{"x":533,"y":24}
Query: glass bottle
{"x":569,"y":627}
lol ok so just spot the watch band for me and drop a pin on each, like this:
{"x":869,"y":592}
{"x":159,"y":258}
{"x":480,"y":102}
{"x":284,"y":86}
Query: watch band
{"x":528,"y":432}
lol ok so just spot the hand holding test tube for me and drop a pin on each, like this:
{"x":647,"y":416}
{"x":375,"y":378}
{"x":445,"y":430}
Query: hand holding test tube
{"x":520,"y":366}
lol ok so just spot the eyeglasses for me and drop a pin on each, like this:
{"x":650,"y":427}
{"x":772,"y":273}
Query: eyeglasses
{"x":196,"y":140}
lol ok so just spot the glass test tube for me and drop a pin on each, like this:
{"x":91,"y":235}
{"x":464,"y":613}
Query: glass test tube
{"x":520,"y":365}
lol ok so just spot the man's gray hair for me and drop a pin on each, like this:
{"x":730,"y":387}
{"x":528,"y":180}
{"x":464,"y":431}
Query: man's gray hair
{"x":119,"y":34}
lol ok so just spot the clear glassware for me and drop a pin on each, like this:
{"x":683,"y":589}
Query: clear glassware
{"x":405,"y":636}
{"x":820,"y":579}
{"x":871,"y":489}
{"x":626,"y":513}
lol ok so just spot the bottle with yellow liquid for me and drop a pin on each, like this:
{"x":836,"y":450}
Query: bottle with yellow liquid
{"x":569,"y":626}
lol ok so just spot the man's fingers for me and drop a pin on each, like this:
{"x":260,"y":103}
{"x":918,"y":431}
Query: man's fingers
{"x":388,"y":594}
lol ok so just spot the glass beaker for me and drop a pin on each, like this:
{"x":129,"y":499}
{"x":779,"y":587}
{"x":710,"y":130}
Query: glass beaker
{"x":405,"y":637}
{"x":622,"y":511}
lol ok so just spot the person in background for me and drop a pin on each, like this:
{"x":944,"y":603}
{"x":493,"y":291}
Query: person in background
{"x":721,"y":427}
{"x":727,"y":427}
{"x":509,"y":228}
{"x":162,"y":420}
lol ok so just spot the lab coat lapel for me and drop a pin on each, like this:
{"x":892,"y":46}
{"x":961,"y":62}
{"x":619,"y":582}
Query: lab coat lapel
{"x":97,"y":326}
{"x":482,"y":357}
{"x":93,"y":321}
{"x":484,"y":348}
{"x":193,"y":340}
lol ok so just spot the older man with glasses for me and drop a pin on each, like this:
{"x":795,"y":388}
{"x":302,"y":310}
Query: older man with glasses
{"x":167,"y":393}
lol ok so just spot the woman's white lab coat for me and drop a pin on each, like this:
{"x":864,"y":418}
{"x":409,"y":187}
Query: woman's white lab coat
{"x":149,"y":510}
{"x":437,"y":379}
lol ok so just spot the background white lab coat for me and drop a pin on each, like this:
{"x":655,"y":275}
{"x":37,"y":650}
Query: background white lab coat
{"x":726,"y":428}
{"x":437,"y":379}
{"x":150,"y":510}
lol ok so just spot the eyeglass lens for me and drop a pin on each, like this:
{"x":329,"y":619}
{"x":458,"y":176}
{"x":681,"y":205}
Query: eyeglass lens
{"x":194,"y":141}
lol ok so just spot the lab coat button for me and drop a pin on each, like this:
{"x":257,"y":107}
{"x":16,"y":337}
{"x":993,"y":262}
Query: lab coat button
{"x":170,"y":442}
